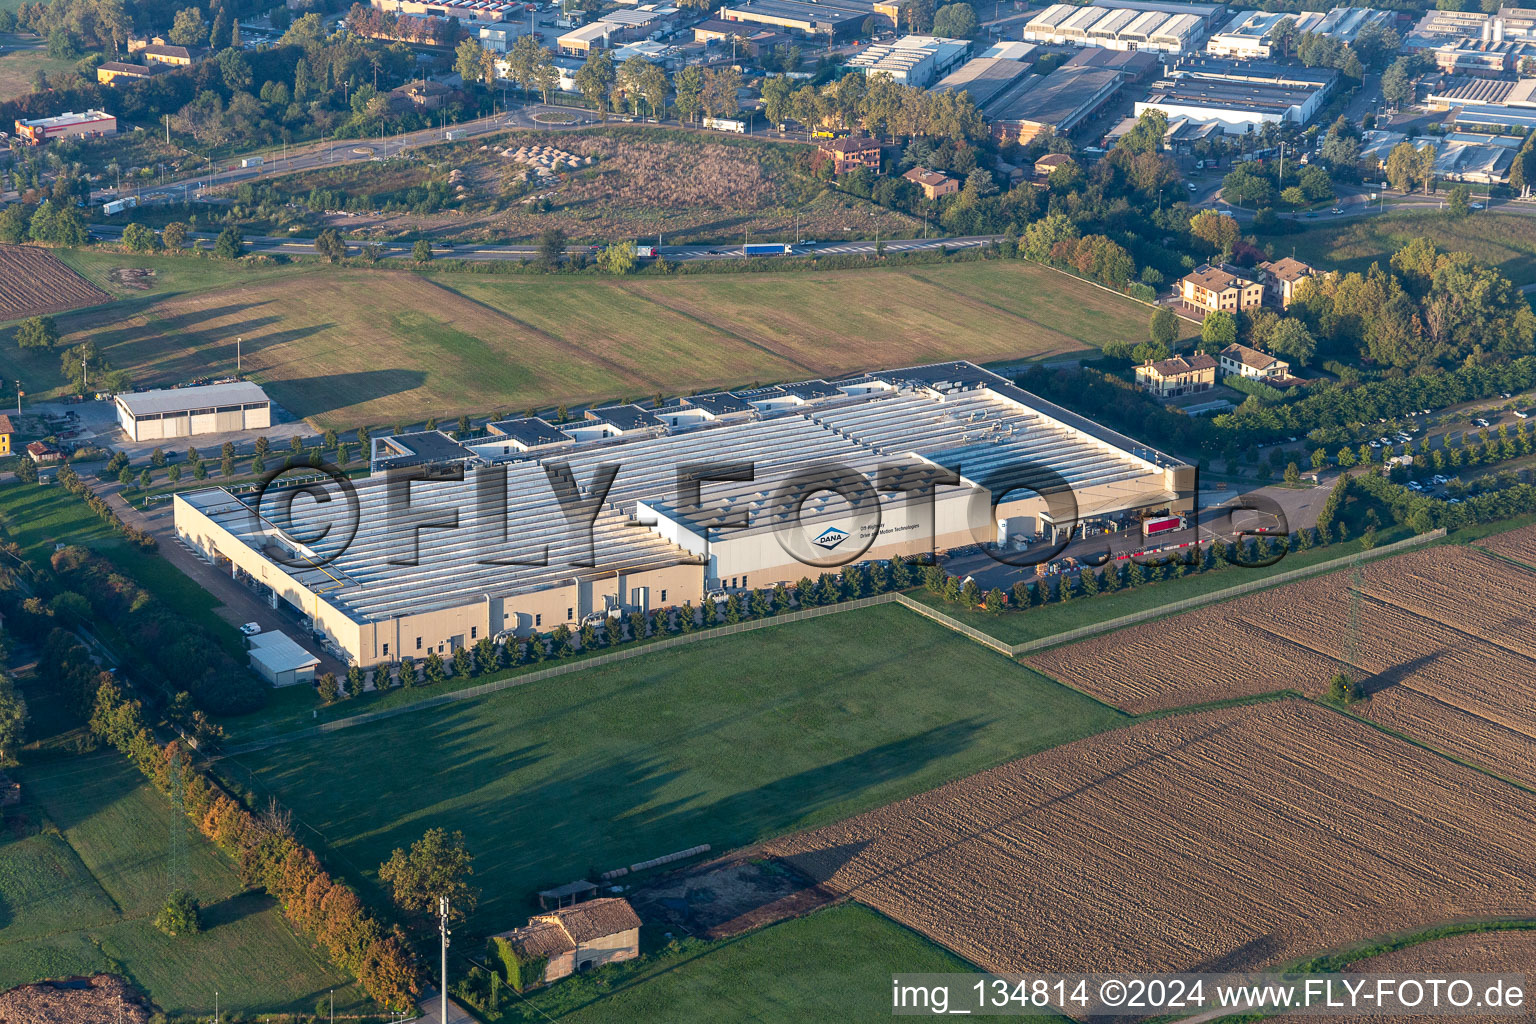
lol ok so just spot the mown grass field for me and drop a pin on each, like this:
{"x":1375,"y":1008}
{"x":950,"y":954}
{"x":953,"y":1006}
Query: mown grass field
{"x":79,"y":892}
{"x":834,"y":964}
{"x":723,"y":742}
{"x":349,"y":346}
{"x":1506,"y":241}
{"x":18,"y":66}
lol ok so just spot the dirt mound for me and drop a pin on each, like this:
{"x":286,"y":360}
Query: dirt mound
{"x":37,"y":283}
{"x":102,"y":999}
{"x":139,"y":279}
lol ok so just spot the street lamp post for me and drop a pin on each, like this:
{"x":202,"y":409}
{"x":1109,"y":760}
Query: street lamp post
{"x":442,"y":911}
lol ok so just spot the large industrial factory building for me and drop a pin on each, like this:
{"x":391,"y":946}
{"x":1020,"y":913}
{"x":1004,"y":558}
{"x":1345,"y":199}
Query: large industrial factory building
{"x":513,"y":533}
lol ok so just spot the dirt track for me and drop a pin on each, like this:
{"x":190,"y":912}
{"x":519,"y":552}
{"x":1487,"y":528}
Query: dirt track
{"x":1446,"y":646}
{"x":1231,"y":839}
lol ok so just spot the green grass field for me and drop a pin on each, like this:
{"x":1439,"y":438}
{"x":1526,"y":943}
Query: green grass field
{"x":78,"y":895}
{"x":1047,"y":620}
{"x":1506,"y":241}
{"x":723,"y":742}
{"x":346,"y":346}
{"x":832,"y":965}
{"x":18,"y":67}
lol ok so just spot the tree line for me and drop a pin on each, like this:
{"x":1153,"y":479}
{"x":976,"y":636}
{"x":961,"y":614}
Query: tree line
{"x":172,"y":655}
{"x":267,"y":854}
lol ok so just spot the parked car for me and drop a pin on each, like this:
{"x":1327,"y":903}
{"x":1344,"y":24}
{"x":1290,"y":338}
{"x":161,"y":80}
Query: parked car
{"x":251,"y":628}
{"x":1477,"y":206}
{"x":1521,"y":414}
{"x":1480,"y":422}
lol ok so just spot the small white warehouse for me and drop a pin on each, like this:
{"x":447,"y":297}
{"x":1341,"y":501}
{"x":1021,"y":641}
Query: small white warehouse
{"x":281,"y":661}
{"x":183,"y":412}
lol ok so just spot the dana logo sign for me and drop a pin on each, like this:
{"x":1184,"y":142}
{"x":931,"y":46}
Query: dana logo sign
{"x":831,"y":537}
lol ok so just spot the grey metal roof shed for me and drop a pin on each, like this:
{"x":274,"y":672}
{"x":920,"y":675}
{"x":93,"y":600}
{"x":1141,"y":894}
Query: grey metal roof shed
{"x":281,"y":661}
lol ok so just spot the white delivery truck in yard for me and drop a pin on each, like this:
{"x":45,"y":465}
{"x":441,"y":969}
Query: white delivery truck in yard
{"x":119,"y":205}
{"x":646,"y":251}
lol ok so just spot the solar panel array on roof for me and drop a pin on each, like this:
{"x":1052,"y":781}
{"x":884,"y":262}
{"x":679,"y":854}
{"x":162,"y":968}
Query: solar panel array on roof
{"x":500,"y":530}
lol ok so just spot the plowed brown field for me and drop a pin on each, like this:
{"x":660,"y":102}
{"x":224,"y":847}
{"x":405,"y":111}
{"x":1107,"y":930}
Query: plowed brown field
{"x":1485,"y":953}
{"x":35,"y":283}
{"x":1517,"y":544}
{"x":1446,"y":648}
{"x":1229,"y":839}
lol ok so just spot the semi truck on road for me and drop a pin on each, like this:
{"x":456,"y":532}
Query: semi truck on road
{"x":1161,"y":524}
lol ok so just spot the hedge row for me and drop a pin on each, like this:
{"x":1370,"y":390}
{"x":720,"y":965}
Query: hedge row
{"x":74,"y":485}
{"x":268,"y":856}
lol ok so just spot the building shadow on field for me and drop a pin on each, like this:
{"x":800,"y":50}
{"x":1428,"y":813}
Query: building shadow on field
{"x":316,"y":396}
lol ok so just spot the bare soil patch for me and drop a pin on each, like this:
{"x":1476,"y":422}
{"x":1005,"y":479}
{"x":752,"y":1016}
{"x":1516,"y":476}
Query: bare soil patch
{"x":139,"y":279}
{"x":102,"y":999}
{"x":1502,"y":952}
{"x":1223,"y":840}
{"x":1517,"y":544}
{"x":1446,"y":648}
{"x":36,"y":283}
{"x":624,"y":183}
{"x":728,"y":896}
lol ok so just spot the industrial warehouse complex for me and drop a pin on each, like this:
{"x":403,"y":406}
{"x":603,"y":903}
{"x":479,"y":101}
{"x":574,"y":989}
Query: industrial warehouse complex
{"x":185,"y":412}
{"x":540,"y":525}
